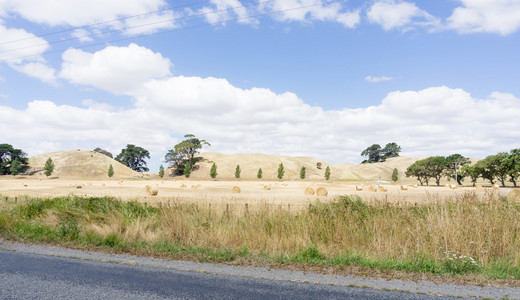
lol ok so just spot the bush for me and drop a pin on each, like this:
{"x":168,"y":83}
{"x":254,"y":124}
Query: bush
{"x":281,"y":171}
{"x":213,"y":171}
{"x":259,"y":174}
{"x":237,"y":172}
{"x":302,"y":173}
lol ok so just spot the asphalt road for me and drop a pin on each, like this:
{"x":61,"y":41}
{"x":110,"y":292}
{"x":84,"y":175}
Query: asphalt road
{"x":36,"y":276}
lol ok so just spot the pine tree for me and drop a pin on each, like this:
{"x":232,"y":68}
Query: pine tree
{"x":302,"y":173}
{"x":213,"y":171}
{"x":259,"y":174}
{"x":395,"y":175}
{"x":281,"y":171}
{"x":327,"y":173}
{"x":49,"y":167}
{"x":161,"y":171}
{"x":187,"y":171}
{"x":110,"y":171}
{"x":237,"y":172}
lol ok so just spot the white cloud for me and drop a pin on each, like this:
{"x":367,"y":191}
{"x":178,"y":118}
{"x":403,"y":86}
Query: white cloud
{"x":116,"y":69}
{"x":396,"y":14}
{"x":150,"y":23}
{"x":432,"y":121}
{"x":223,"y":10}
{"x":376,"y":79}
{"x":493,"y":16}
{"x":310,"y":10}
{"x":82,"y":35}
{"x":37,"y":70}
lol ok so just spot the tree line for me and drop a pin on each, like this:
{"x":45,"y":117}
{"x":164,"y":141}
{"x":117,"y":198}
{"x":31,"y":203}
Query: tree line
{"x":502,"y":167}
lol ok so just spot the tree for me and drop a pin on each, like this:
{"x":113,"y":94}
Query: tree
{"x":395,"y":175}
{"x":133,"y":157}
{"x":318,"y":165}
{"x":513,"y":163}
{"x":281,"y":171}
{"x":435,"y":166}
{"x":418,"y":169}
{"x":184,"y":153}
{"x":213,"y":171}
{"x":372,"y":153}
{"x":390,"y":150}
{"x":472,"y":172}
{"x":237,"y":172}
{"x":15,"y":168}
{"x":8,"y":155}
{"x":327,"y":173}
{"x":110,"y":171}
{"x":49,"y":167}
{"x":161,"y":171}
{"x":259,"y":174}
{"x":103,"y":151}
{"x":454,"y":163}
{"x":302,"y":172}
{"x":486,"y":169}
{"x":187,"y":171}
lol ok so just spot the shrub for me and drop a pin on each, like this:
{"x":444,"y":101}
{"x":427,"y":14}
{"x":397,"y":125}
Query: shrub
{"x":213,"y":171}
{"x":237,"y":171}
{"x":110,"y":171}
{"x":302,"y":173}
{"x":259,"y":174}
{"x":327,"y":173}
{"x":281,"y":171}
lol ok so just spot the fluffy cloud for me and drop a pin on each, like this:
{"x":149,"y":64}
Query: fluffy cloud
{"x":116,"y":69}
{"x":396,"y":14}
{"x":376,"y":79}
{"x":436,"y":120}
{"x":310,"y":10}
{"x":494,"y":16}
{"x":222,"y":10}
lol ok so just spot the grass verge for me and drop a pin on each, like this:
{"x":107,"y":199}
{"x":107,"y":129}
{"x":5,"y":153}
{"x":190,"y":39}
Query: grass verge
{"x":463,"y":235}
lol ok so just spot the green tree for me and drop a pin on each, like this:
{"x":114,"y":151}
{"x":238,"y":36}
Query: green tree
{"x":161,"y":171}
{"x":8,"y":154}
{"x":418,"y":169}
{"x":395,"y":175}
{"x":435,"y":166}
{"x":49,"y":167}
{"x":187,"y":171}
{"x":372,"y":154}
{"x":327,"y":173}
{"x":302,"y":172}
{"x":472,"y":172}
{"x":454,"y":165}
{"x":184,"y":153}
{"x":110,"y":171}
{"x":237,"y":171}
{"x":281,"y":171}
{"x":513,"y":163}
{"x":15,"y":168}
{"x":134,"y":157}
{"x":213,"y":171}
{"x":259,"y":174}
{"x":390,"y":150}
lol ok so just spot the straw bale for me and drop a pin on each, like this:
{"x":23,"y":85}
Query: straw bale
{"x":382,"y":188}
{"x":321,"y":191}
{"x":267,"y":188}
{"x":309,"y":191}
{"x":372,"y":188}
{"x":514,"y":196}
{"x":496,"y":186}
{"x":478,"y":187}
{"x":404,"y":188}
{"x":78,"y":186}
{"x":359,"y":187}
{"x":415,"y":186}
{"x":236,"y":190}
{"x":453,"y":186}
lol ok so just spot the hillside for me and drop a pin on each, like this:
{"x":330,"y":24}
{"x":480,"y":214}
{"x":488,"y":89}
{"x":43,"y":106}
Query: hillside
{"x":250,"y":163}
{"x":81,"y":164}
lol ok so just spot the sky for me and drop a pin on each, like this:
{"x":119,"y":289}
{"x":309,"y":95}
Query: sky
{"x":314,"y":78}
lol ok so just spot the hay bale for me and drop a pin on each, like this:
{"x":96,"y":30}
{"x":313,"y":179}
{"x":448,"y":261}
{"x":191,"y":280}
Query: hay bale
{"x":478,"y":187}
{"x":447,"y":185}
{"x":514,"y":195}
{"x":183,"y":185}
{"x":236,"y":190}
{"x":154,"y":191}
{"x":359,"y":187}
{"x":415,"y":186}
{"x":267,"y":188}
{"x":103,"y":184}
{"x":372,"y":188}
{"x":309,"y":191}
{"x":496,"y":186}
{"x":404,"y":188}
{"x":78,"y":186}
{"x":382,"y":188}
{"x":25,"y":185}
{"x":321,"y":191}
{"x":453,"y":186}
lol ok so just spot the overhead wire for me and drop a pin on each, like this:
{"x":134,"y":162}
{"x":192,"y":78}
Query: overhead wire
{"x":169,"y":31}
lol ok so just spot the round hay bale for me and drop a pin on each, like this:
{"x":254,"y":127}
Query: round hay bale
{"x":309,"y":191}
{"x":267,"y":188}
{"x":78,"y":186}
{"x":321,"y":191}
{"x":372,"y":188}
{"x":514,"y":195}
{"x":496,"y":186}
{"x":359,"y":187}
{"x":236,"y":190}
{"x":154,"y":191}
{"x":404,"y":188}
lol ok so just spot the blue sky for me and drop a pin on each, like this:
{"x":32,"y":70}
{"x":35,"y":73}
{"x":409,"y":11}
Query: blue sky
{"x":290,"y":77}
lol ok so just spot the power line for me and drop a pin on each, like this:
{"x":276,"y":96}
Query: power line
{"x":169,"y":31}
{"x":105,"y":22}
{"x":129,"y":27}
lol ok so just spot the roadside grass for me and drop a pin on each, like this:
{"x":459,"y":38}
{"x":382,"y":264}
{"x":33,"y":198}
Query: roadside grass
{"x":463,"y":235}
